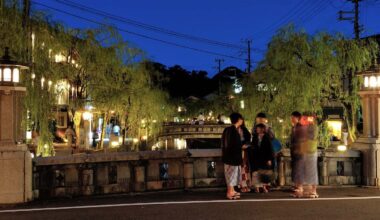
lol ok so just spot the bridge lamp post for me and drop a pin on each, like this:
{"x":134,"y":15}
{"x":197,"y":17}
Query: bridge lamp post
{"x":15,"y":159}
{"x":369,"y":142}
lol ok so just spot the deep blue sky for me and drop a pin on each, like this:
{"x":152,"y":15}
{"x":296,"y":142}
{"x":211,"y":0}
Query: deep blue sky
{"x":229,"y":21}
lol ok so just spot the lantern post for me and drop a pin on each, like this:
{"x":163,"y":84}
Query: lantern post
{"x":15,"y":158}
{"x":369,"y":142}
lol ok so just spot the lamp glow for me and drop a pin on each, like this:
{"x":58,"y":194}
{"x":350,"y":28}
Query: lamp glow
{"x":87,"y":116}
{"x":372,"y":82}
{"x":42,"y":82}
{"x":114,"y":143}
{"x":16,"y":75}
{"x":7,"y":75}
{"x":28,"y":135}
{"x":342,"y":148}
{"x":366,"y":82}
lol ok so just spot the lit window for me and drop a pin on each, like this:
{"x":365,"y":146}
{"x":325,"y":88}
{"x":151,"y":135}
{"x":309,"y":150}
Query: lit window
{"x":1,"y":74}
{"x":7,"y":75}
{"x":16,"y":75}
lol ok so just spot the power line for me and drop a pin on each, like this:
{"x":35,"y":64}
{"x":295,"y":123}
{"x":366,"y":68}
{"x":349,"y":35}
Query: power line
{"x":315,"y":12}
{"x":147,"y":26}
{"x":295,"y":11}
{"x":138,"y":34}
{"x":299,"y":12}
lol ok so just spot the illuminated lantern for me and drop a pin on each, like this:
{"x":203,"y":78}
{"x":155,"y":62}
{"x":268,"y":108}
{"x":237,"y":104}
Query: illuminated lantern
{"x":370,"y":97}
{"x":10,"y":70}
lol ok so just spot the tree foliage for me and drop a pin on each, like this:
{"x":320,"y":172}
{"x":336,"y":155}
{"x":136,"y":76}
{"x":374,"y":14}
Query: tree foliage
{"x":305,"y":72}
{"x":105,"y":70}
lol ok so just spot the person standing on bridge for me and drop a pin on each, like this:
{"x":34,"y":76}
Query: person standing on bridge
{"x":232,"y":147}
{"x":245,"y":138}
{"x":261,"y":158}
{"x":311,"y":157}
{"x":297,"y":146}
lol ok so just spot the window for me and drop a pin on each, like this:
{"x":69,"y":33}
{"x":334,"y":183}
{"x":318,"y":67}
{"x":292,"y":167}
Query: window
{"x":62,"y":120}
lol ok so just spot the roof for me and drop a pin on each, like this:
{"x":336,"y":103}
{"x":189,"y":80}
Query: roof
{"x":230,"y":72}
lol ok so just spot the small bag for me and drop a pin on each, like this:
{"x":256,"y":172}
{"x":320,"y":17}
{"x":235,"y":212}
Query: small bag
{"x":266,"y":176}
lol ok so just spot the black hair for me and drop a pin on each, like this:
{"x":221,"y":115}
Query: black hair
{"x":261,"y":126}
{"x":234,"y":117}
{"x":297,"y":114}
{"x":261,"y":115}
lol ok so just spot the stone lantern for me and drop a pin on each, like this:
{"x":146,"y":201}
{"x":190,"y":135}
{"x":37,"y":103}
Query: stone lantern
{"x":15,"y":159}
{"x":369,"y":142}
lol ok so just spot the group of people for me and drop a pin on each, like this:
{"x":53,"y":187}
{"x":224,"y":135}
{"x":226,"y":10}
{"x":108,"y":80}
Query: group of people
{"x":250,"y":158}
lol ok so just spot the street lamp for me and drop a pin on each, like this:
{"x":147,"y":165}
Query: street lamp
{"x":17,"y":165}
{"x":10,"y":70}
{"x":369,"y":142}
{"x":371,"y":78}
{"x":370,"y":97}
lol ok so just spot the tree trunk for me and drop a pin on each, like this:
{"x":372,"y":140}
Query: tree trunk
{"x":105,"y":122}
{"x":351,"y":121}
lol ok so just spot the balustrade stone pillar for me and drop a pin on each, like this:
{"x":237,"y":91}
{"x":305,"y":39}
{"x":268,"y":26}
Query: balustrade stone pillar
{"x":15,"y":159}
{"x":188,"y":173}
{"x":87,"y":181}
{"x":281,"y":172}
{"x":324,"y":178}
{"x":140,"y":180}
{"x":369,"y":142}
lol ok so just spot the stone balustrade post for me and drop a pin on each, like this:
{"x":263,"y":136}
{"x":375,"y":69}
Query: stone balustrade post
{"x":281,"y":171}
{"x":324,"y":178}
{"x":140,"y":179}
{"x":188,"y":173}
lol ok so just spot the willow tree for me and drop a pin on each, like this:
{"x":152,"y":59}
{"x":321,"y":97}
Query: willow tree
{"x":33,"y":41}
{"x":148,"y":105}
{"x":95,"y":61}
{"x":112,"y":78}
{"x":305,"y":72}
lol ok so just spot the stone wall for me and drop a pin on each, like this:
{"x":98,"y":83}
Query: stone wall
{"x":92,"y":174}
{"x":334,"y":168}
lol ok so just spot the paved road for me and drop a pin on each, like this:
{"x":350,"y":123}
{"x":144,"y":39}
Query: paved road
{"x":341,"y":203}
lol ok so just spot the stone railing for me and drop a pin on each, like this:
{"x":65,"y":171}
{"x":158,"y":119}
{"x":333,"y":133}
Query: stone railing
{"x":91,"y":174}
{"x":189,"y":130}
{"x":334,"y":168}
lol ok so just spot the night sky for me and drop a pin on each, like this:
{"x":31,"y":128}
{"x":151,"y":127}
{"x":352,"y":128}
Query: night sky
{"x":226,"y":21}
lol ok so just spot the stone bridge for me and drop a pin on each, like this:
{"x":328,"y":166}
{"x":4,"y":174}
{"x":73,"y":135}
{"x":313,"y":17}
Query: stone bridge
{"x":94,"y":174}
{"x":174,"y":136}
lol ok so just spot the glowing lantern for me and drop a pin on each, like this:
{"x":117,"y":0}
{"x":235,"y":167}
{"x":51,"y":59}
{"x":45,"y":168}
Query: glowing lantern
{"x":9,"y":69}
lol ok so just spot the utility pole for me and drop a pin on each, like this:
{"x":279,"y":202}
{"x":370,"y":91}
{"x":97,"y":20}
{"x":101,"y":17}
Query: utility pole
{"x":248,"y":62}
{"x":219,"y":63}
{"x":26,"y":25}
{"x":354,"y":18}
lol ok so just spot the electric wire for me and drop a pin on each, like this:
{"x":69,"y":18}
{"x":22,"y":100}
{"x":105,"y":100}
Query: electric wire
{"x":146,"y":26}
{"x":137,"y":34}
